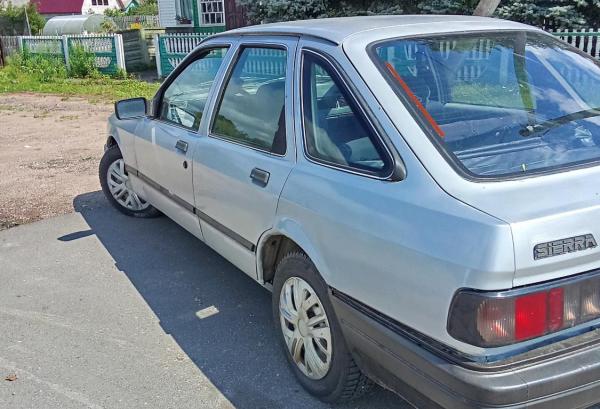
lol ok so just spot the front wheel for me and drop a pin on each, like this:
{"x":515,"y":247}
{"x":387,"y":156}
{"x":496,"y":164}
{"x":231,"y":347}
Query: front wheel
{"x":117,"y":186}
{"x":310,"y":334}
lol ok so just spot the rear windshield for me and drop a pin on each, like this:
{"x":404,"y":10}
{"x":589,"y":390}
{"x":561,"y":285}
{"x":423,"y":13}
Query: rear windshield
{"x":502,"y":103}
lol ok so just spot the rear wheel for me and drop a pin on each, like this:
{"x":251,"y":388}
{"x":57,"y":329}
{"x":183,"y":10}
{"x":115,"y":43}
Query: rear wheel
{"x":310,"y":334}
{"x":117,"y":186}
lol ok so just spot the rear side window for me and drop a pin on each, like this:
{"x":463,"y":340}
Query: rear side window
{"x":335,"y":131}
{"x":184,"y":99}
{"x":252,"y":108}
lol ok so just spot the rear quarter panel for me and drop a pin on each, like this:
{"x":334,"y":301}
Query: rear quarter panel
{"x":403,"y":248}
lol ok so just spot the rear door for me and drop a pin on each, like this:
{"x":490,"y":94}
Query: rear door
{"x":167,"y":142}
{"x":248,"y":152}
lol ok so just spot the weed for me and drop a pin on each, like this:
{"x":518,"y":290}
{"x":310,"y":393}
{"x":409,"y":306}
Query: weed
{"x":82,"y":63}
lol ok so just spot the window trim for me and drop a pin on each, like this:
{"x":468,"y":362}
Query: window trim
{"x":389,"y":159}
{"x":195,"y":56}
{"x":454,"y":163}
{"x":221,"y":94}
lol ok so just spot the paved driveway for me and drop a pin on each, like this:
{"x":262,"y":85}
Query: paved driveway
{"x":100,"y":310}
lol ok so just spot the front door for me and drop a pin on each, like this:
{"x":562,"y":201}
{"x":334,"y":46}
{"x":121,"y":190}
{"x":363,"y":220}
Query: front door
{"x":248,"y":152}
{"x":166,"y":144}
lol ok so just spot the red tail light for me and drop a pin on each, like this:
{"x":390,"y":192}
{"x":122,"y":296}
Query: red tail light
{"x":503,"y":318}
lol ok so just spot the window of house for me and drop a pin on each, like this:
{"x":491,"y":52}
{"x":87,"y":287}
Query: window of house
{"x":335,"y":131}
{"x":183,"y":8}
{"x":212,"y":12}
{"x":184,"y":99}
{"x":252,"y":108}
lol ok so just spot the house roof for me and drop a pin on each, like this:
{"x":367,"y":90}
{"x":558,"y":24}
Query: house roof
{"x":59,"y":6}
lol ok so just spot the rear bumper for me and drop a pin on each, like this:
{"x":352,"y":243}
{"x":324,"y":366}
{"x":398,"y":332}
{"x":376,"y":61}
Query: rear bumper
{"x":565,"y":380}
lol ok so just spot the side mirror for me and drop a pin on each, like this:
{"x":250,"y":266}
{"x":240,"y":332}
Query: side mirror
{"x":131,"y":108}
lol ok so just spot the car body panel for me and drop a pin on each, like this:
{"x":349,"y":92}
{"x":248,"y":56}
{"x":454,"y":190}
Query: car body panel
{"x":539,"y":208}
{"x":402,"y":247}
{"x":223,"y":188}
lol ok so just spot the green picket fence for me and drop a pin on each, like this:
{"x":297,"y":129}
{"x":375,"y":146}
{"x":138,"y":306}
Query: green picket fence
{"x":171,"y":49}
{"x":107,"y":49}
{"x":587,"y":40}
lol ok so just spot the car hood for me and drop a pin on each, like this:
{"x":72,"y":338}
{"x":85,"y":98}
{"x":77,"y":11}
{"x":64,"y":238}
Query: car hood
{"x":543,"y":209}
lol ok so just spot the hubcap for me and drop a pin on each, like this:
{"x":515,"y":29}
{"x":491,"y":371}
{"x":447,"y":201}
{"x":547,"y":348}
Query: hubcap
{"x":305,"y":328}
{"x":120,"y":187}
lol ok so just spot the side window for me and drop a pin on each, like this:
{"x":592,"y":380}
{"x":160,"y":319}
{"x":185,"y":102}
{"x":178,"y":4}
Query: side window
{"x":252,"y":107}
{"x":184,"y":100}
{"x":335,"y":132}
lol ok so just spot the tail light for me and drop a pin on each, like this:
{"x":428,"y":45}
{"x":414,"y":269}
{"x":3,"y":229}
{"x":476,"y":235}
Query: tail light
{"x":492,"y":319}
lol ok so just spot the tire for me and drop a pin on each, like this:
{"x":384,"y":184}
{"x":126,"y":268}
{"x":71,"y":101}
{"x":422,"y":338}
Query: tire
{"x":343,"y":380}
{"x":113,"y":161}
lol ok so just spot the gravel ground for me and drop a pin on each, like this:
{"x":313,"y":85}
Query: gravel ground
{"x":50,"y":149}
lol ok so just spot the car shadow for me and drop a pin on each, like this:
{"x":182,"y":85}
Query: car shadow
{"x":219,"y":316}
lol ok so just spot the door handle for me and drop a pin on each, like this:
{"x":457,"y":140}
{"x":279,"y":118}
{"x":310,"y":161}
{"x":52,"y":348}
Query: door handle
{"x":181,"y":146}
{"x":260,"y":177}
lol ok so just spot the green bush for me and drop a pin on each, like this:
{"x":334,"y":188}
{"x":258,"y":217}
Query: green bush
{"x":43,"y":67}
{"x":82,"y":63}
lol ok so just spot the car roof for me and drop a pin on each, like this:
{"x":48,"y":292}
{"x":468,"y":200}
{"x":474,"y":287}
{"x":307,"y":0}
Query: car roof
{"x":338,"y":29}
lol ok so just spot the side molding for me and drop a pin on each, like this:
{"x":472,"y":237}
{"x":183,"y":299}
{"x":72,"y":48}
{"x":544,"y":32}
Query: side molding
{"x":191,"y":208}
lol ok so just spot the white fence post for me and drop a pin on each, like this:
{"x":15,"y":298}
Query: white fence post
{"x":65,"y":44}
{"x":20,"y":43}
{"x":120,"y":51}
{"x":157,"y":55}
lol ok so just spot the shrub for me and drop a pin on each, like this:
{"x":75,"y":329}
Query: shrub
{"x":82,"y":63}
{"x":43,"y":67}
{"x":120,"y":74}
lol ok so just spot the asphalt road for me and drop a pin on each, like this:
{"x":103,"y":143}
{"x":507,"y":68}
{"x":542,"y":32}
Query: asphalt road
{"x":98,"y":310}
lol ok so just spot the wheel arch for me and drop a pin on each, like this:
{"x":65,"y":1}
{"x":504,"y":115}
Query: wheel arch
{"x":111,"y":141}
{"x":287,"y":235}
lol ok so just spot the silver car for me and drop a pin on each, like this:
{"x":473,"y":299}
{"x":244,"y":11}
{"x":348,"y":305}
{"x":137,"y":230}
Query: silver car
{"x":420,"y":193}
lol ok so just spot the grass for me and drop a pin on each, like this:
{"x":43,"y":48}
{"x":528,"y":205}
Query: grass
{"x":36,"y":73}
{"x":104,"y":89}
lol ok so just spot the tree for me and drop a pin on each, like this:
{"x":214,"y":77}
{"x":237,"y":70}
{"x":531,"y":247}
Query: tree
{"x":17,"y":16}
{"x":559,"y":13}
{"x":146,"y":8}
{"x":486,"y":8}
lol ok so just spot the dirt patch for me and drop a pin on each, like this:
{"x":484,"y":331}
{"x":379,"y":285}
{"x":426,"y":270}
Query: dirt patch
{"x":50,"y":148}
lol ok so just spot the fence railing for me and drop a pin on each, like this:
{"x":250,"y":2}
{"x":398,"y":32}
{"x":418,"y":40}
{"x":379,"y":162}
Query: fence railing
{"x":9,"y":45}
{"x":587,"y":40}
{"x":128,"y":22}
{"x":171,"y":49}
{"x":107,"y":48}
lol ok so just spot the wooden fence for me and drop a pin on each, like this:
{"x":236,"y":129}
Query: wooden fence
{"x":135,"y":50}
{"x":9,"y":45}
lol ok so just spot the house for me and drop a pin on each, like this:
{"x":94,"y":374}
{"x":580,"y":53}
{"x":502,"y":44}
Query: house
{"x":130,"y":4}
{"x":205,"y":16}
{"x":52,"y":8}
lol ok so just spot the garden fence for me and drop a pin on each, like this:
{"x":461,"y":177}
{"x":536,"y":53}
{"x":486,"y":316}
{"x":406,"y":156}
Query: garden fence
{"x":171,"y":49}
{"x":129,"y":22}
{"x":9,"y":45}
{"x":107,"y":48}
{"x":585,"y":39}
